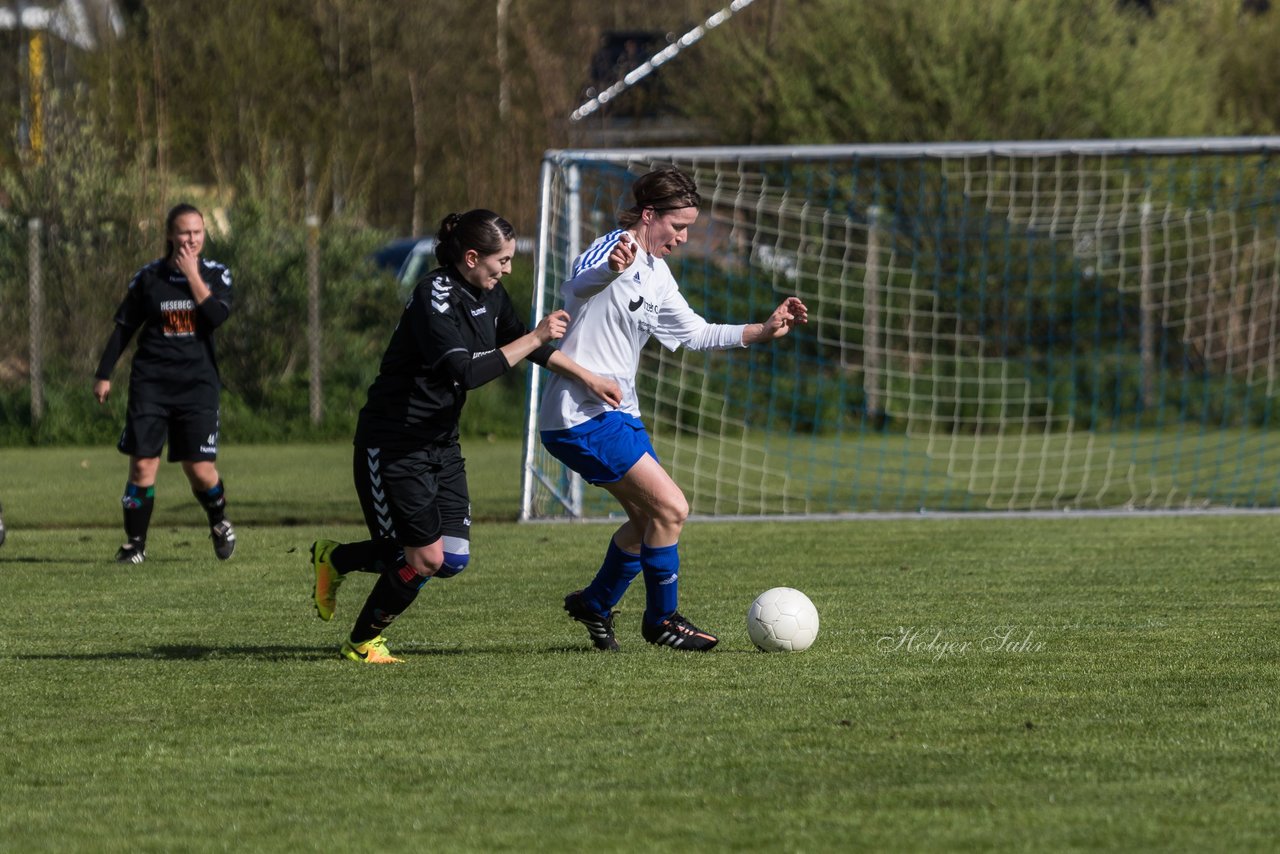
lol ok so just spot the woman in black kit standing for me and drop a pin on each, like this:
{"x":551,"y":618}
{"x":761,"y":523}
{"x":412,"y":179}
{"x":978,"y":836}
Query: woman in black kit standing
{"x":174,"y":304}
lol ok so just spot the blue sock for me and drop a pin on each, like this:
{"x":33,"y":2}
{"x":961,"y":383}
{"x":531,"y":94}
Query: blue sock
{"x":616,"y":574}
{"x":661,"y":569}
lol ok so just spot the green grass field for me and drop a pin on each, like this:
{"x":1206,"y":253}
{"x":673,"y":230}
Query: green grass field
{"x":762,"y":473}
{"x":980,"y":684}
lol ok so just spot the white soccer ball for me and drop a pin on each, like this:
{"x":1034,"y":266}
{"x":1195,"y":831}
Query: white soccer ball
{"x":782,"y":620}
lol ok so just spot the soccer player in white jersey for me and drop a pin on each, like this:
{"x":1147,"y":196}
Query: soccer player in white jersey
{"x":622,"y":293}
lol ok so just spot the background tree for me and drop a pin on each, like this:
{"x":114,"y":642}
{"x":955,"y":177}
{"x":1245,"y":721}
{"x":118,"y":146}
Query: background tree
{"x":386,"y":115}
{"x":896,"y":71}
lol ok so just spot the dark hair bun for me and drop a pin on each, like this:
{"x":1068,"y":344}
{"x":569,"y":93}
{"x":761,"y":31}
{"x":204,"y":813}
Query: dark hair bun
{"x":479,"y":229}
{"x":449,"y":223}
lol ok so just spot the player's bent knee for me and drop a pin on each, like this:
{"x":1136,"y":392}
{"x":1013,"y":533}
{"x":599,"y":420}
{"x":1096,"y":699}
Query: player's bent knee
{"x":453,"y":564}
{"x":673,"y":511}
{"x":457,"y":554}
{"x":426,"y":562}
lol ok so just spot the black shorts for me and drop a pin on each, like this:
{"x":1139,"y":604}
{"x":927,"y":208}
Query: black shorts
{"x":191,"y":430}
{"x":413,"y":497}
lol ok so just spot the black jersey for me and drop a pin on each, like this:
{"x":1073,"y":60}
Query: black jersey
{"x":175,"y":354}
{"x":446,"y":342}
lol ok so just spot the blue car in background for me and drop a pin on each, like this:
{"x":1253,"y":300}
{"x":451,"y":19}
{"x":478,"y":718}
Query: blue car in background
{"x":404,"y":258}
{"x":409,"y":257}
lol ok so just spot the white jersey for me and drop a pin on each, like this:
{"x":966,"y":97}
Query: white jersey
{"x":612,"y":316}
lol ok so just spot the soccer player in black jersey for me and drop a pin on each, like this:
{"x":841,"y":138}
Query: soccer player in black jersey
{"x":174,"y":304}
{"x":458,"y":331}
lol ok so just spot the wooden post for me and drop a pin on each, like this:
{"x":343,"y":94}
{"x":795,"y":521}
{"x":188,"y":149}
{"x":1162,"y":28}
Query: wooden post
{"x":314,"y":332}
{"x":35,"y":296}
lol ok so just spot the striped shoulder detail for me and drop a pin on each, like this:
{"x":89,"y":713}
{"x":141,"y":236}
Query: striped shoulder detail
{"x":222,"y":271}
{"x":441,"y":290}
{"x":597,"y":252}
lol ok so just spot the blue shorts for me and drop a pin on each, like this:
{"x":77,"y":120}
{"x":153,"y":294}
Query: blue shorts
{"x":603,"y":449}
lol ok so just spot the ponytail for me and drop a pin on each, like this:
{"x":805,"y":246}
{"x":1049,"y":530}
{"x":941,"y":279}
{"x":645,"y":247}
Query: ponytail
{"x":479,"y":229}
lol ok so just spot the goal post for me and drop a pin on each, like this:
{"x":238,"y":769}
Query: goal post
{"x":1048,"y":326}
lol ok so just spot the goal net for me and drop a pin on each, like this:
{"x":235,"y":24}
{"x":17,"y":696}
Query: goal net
{"x":993,"y":327}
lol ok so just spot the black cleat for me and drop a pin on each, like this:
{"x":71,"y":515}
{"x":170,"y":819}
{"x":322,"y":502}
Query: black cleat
{"x":598,"y":626}
{"x":131,"y":552}
{"x":224,"y":539}
{"x":678,"y":633}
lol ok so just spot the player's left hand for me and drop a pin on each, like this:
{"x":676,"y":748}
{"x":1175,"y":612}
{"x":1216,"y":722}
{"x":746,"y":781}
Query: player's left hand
{"x":784,"y":317}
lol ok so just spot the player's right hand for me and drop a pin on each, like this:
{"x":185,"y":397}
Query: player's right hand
{"x":553,"y":326}
{"x":102,"y":390}
{"x":623,"y":253}
{"x":606,"y":389}
{"x":187,"y":260}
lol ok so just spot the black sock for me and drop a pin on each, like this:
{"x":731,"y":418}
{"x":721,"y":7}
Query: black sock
{"x":138,"y":503}
{"x":356,"y":557}
{"x":391,"y":595}
{"x":214,"y":502}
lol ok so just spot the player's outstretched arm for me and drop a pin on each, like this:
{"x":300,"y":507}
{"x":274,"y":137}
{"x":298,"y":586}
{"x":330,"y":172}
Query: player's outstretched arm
{"x":550,"y":328}
{"x":784,"y":317}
